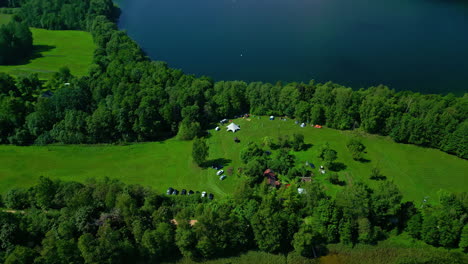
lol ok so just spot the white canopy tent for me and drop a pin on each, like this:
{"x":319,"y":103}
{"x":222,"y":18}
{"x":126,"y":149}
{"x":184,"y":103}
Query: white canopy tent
{"x":233,"y":127}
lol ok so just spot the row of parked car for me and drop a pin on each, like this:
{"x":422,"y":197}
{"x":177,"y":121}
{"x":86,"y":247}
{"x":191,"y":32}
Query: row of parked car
{"x":172,"y":191}
{"x":219,"y":172}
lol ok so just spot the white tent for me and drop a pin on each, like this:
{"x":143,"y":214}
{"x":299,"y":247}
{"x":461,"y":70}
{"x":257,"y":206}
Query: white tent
{"x":303,"y":125}
{"x":233,"y":127}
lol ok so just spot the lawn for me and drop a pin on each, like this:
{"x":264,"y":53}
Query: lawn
{"x":54,"y":49}
{"x":419,"y":172}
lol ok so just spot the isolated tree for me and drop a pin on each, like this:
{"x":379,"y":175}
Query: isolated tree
{"x":199,"y":151}
{"x":297,"y":142}
{"x":267,"y":141}
{"x":327,"y":155}
{"x":376,"y":174}
{"x":356,"y":148}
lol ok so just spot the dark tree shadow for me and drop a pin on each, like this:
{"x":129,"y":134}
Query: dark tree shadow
{"x":36,"y":53}
{"x":378,"y":178}
{"x":338,"y":166}
{"x":220,"y":162}
{"x":363,"y":160}
{"x":306,"y":147}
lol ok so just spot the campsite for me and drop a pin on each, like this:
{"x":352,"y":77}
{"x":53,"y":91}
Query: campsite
{"x":154,"y":164}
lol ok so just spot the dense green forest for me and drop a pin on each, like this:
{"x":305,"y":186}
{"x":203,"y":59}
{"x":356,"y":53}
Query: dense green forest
{"x":16,"y":42}
{"x":127,"y":97}
{"x":109,"y":222}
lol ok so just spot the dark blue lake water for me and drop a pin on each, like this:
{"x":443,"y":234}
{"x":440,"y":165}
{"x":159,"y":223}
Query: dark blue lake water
{"x":421,"y":45}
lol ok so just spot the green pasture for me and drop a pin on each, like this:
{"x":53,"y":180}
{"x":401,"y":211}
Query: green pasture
{"x":54,"y":49}
{"x":419,"y":172}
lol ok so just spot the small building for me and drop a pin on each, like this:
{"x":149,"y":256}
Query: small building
{"x":272,"y":118}
{"x":271,"y":178}
{"x":303,"y":125}
{"x":306,"y":179}
{"x":217,"y":128}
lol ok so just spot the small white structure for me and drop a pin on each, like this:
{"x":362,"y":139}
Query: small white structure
{"x":203,"y":194}
{"x":222,"y":177}
{"x":322,"y":171}
{"x":272,"y":118}
{"x":233,"y":127}
{"x":217,"y":128}
{"x":301,"y":190}
{"x":303,"y":125}
{"x":220,"y":172}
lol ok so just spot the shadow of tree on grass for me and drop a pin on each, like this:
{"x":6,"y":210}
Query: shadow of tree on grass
{"x":36,"y":53}
{"x":216,"y":162}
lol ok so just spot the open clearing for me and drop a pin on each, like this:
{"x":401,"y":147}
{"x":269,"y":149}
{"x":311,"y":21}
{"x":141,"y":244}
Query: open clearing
{"x":419,"y":172}
{"x":55,"y":49}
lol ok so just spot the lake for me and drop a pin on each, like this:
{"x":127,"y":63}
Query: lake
{"x":420,"y":45}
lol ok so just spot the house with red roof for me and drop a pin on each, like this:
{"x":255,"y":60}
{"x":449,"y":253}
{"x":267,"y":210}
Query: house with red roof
{"x":271,"y":178}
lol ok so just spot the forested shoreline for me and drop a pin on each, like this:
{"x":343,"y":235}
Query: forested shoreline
{"x":128,"y":98}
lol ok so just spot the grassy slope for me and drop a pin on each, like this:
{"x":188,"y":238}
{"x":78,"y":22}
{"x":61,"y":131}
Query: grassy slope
{"x":419,"y":172}
{"x":55,"y":49}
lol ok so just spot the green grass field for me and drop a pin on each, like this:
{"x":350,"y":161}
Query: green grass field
{"x":55,"y":49}
{"x":418,"y":171}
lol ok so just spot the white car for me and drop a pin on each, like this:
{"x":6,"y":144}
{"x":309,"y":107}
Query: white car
{"x":220,"y":172}
{"x":222,"y":177}
{"x":203,"y":194}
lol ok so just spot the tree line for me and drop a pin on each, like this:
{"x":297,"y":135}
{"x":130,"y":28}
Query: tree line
{"x":127,"y":97}
{"x":109,"y":222}
{"x":64,"y":14}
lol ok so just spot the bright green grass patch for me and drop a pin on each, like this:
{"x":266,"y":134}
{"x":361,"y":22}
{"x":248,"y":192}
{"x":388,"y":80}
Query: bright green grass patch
{"x":417,"y":171}
{"x":55,"y":49}
{"x":5,"y":18}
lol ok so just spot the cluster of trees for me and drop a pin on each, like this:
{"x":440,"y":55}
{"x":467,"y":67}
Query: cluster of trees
{"x":64,"y":14}
{"x":16,"y":42}
{"x":278,"y":156}
{"x":109,"y":222}
{"x":11,"y":3}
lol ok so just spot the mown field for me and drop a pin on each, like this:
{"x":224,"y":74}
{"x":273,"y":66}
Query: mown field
{"x":419,"y":172}
{"x":54,"y":49}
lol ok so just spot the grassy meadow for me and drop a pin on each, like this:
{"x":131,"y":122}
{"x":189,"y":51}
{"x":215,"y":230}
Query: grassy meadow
{"x":419,"y":172}
{"x":54,"y":49}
